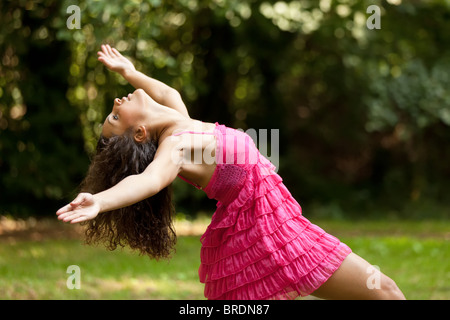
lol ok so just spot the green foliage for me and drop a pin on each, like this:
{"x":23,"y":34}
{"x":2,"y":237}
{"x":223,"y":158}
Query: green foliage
{"x":41,"y":153}
{"x":363,"y":114}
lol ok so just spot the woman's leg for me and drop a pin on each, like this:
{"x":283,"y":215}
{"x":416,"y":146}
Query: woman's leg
{"x":357,"y":279}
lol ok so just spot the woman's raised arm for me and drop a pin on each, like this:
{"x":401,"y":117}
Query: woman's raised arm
{"x":159,"y":91}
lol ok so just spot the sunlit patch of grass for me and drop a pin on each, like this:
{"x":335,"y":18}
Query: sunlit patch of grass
{"x":38,"y":270}
{"x":420,"y":267}
{"x":415,"y":254}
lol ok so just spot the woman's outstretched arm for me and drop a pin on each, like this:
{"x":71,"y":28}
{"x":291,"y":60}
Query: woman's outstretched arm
{"x":159,"y":91}
{"x":159,"y":174}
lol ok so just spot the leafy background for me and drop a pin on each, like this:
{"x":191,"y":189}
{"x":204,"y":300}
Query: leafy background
{"x":363,"y":114}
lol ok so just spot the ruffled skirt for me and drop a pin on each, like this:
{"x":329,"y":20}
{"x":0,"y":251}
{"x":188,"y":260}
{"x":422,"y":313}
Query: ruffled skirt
{"x":259,"y":246}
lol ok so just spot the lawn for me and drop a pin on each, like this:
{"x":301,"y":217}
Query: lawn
{"x":34,"y":262}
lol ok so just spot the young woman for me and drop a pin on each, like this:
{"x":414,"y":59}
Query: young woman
{"x":258,"y":245}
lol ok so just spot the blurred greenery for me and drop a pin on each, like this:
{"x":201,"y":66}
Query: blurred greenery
{"x":415,"y":254}
{"x":363,"y":114}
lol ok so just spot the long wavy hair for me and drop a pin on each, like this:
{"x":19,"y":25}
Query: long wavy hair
{"x":145,"y":226}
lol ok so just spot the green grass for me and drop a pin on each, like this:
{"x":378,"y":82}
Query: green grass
{"x":415,"y":254}
{"x":37,"y":270}
{"x":420,"y":267}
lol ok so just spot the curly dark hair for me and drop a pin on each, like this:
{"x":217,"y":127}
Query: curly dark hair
{"x":145,"y":226}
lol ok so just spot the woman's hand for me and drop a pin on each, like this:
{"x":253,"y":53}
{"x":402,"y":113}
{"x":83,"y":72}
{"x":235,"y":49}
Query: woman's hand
{"x":114,"y":61}
{"x":84,"y":207}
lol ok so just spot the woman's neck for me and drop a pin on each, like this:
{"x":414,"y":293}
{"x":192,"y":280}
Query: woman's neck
{"x":163,"y":121}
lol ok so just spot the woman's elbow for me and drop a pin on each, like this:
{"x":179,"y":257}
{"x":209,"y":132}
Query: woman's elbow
{"x":156,"y":182}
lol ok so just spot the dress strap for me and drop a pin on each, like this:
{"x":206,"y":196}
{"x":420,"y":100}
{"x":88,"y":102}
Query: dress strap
{"x":190,"y":182}
{"x":194,"y":132}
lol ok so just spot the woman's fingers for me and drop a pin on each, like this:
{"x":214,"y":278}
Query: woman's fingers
{"x":79,"y":219}
{"x":104,"y":50}
{"x":108,"y":56}
{"x":82,"y":208}
{"x":70,"y":216}
{"x":108,"y":48}
{"x":101,"y":57}
{"x":64,"y":209}
{"x":105,"y":61}
{"x":116,"y":52}
{"x":80,"y":199}
{"x":69,"y":208}
{"x":109,"y":51}
{"x":66,"y":214}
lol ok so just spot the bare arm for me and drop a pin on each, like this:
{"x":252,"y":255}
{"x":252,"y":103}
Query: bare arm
{"x":159,"y":91}
{"x":159,"y":174}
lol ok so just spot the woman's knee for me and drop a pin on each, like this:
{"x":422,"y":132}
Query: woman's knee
{"x":389,"y":289}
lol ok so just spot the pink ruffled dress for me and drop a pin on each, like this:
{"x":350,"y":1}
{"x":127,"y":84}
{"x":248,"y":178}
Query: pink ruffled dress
{"x":259,"y":245}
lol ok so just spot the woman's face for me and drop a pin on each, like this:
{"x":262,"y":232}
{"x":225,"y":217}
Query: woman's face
{"x":126,"y":113}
